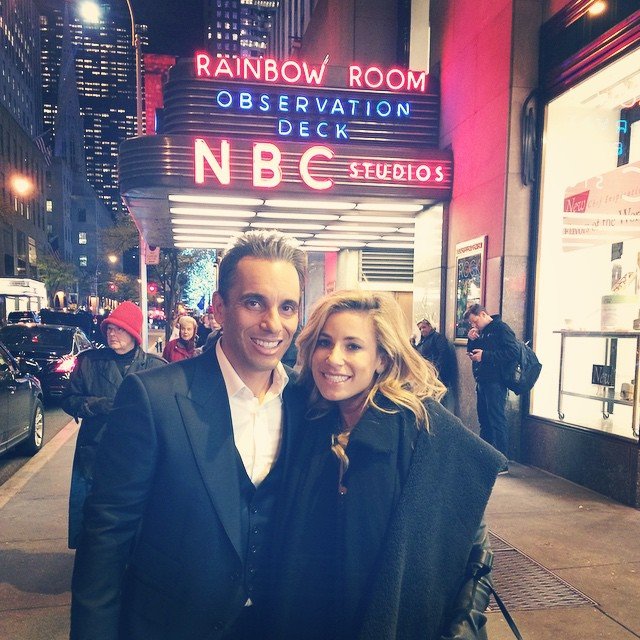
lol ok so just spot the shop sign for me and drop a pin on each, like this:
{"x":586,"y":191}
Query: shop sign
{"x":268,"y":70}
{"x":319,"y":167}
{"x":602,"y":207}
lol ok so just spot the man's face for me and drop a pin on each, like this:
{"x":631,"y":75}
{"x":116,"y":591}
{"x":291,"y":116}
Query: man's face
{"x":259,"y":316}
{"x":425,"y":329}
{"x":479,"y":321}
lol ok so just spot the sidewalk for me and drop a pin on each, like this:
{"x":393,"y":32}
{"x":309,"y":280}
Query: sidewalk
{"x":567,"y":559}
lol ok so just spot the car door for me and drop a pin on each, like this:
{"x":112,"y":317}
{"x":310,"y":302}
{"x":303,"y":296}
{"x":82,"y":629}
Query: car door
{"x":6,"y":428}
{"x":18,"y":397}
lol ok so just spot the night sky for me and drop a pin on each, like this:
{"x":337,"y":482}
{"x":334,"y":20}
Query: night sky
{"x":175,"y":26}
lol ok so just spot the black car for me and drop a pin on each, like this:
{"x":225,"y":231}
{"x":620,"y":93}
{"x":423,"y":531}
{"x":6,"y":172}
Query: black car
{"x":53,"y":348}
{"x":21,"y":412}
{"x":22,"y":316}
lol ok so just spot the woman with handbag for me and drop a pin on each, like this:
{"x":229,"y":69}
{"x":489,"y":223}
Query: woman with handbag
{"x":380,"y":532}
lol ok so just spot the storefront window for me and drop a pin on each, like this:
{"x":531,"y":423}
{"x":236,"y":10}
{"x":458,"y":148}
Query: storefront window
{"x":587,"y":299}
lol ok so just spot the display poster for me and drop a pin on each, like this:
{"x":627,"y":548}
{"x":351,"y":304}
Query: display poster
{"x":470,"y":264}
{"x":602,"y":207}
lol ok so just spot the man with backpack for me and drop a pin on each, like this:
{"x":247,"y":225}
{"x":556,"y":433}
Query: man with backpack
{"x":493,"y":349}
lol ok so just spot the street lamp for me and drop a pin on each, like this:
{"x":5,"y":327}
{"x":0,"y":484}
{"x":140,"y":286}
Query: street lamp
{"x":21,"y":185}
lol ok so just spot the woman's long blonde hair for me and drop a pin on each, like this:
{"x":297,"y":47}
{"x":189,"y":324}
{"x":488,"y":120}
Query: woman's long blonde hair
{"x":407,"y":378}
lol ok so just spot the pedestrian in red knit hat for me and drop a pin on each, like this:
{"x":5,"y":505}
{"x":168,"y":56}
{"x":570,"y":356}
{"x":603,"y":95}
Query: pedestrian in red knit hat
{"x":92,"y":389}
{"x":127,"y":316}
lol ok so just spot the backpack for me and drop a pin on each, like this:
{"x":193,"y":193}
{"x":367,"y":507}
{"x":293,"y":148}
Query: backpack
{"x":521,"y":377}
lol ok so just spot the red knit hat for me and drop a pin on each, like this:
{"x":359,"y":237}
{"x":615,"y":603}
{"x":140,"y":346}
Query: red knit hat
{"x":127,"y":316}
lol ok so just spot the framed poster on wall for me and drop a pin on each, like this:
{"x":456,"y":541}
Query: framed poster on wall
{"x":470,"y":267}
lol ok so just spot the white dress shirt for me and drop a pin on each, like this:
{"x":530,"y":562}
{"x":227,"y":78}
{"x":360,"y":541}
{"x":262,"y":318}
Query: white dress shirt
{"x":257,"y":426}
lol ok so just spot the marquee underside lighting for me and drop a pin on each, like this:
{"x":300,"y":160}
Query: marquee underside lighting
{"x":202,"y":221}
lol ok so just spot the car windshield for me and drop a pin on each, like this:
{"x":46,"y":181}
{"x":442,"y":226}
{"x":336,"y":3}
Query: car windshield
{"x":35,"y":338}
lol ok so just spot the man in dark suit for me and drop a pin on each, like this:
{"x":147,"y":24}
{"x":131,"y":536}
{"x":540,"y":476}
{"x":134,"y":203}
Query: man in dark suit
{"x":189,"y":470}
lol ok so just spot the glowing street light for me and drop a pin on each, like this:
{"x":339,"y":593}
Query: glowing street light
{"x":90,"y":12}
{"x":21,"y":185}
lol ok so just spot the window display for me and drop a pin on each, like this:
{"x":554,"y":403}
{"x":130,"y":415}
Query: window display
{"x":587,"y":299}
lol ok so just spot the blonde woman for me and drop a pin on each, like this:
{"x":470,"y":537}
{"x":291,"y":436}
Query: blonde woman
{"x":184,"y":346}
{"x":380,"y":534}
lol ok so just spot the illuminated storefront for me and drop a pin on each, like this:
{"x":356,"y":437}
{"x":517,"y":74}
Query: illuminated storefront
{"x":585,"y":410}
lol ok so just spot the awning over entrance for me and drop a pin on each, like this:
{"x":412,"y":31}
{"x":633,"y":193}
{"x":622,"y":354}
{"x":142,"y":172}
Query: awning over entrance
{"x":322,"y":164}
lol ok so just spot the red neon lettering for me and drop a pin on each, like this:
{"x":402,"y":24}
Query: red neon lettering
{"x":249,"y":66}
{"x":401,"y":79}
{"x":221,"y":170}
{"x":266,"y":160}
{"x":395,"y":172}
{"x":284,"y":70}
{"x":223,"y":68}
{"x":270,"y":70}
{"x":355,"y":76}
{"x":202,"y":65}
{"x":367,"y":77}
{"x":416,"y":80}
{"x":314,"y":76}
{"x":307,"y":157}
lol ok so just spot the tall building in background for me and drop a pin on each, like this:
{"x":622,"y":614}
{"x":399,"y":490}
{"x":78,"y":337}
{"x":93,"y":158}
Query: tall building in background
{"x":77,"y":214}
{"x":106,"y":80}
{"x":239,"y":27}
{"x":289,"y":24}
{"x":22,"y":163}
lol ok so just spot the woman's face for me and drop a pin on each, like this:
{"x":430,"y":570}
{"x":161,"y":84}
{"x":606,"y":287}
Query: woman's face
{"x":186,"y":330}
{"x":345,"y":359}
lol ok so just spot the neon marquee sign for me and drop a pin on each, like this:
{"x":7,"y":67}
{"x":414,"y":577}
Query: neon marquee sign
{"x":309,"y":110}
{"x":293,"y":111}
{"x":271,"y":71}
{"x":314,"y":167}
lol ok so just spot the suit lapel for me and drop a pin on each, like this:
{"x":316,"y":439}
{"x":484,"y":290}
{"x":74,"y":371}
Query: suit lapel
{"x":207,"y":421}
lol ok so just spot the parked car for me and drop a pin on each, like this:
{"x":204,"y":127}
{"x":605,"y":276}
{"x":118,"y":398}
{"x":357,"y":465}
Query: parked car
{"x":22,"y":316}
{"x":21,"y":410}
{"x":81,"y":319}
{"x":53,"y":348}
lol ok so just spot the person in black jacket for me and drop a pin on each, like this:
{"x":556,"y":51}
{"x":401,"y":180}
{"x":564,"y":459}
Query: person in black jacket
{"x":380,"y":527}
{"x":492,"y":348}
{"x":433,"y":346}
{"x":92,"y":389}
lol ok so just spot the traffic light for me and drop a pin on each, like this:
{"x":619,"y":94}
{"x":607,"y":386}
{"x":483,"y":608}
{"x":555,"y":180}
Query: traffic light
{"x":152,"y":288}
{"x":113,"y":287}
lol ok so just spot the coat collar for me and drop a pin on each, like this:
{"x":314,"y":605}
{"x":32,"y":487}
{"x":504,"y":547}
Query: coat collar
{"x":206,"y":417}
{"x":207,"y":420}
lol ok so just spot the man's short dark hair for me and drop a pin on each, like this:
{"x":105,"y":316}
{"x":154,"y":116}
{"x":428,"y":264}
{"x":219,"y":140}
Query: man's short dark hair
{"x":263,"y":245}
{"x":474,"y":310}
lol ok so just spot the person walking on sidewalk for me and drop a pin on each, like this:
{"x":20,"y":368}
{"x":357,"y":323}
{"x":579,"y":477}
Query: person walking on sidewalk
{"x":189,"y":470}
{"x":492,"y":348}
{"x":435,"y":348}
{"x":92,"y":388}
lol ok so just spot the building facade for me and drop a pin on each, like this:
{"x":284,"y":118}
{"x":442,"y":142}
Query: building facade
{"x":104,"y":63}
{"x":539,"y":105}
{"x":238,"y":27}
{"x":22,"y":164}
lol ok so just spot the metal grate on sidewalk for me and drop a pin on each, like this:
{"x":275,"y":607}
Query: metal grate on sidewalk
{"x":523,"y":584}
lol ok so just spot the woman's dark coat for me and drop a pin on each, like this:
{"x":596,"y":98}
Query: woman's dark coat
{"x":92,"y":389}
{"x":422,"y":552}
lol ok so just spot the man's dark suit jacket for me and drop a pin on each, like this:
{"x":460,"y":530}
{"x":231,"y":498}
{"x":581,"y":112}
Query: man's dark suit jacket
{"x":162,"y":557}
